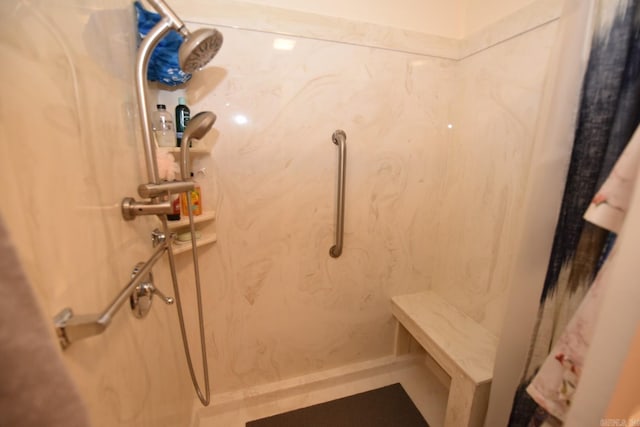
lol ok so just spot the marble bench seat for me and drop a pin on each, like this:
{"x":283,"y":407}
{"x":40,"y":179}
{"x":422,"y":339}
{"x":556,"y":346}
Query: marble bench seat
{"x":463,"y":348}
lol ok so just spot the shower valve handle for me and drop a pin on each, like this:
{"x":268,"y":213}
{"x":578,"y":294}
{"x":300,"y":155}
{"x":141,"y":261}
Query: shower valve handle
{"x":167,"y":300}
{"x":142,"y":295}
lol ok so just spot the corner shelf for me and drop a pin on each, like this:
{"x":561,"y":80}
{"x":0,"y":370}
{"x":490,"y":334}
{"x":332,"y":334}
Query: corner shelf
{"x":184,"y":221}
{"x":183,"y":224}
{"x":197,"y":147}
{"x":206,"y":239}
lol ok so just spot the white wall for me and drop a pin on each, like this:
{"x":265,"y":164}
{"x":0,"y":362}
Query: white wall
{"x":428,"y":206}
{"x":69,"y":152}
{"x":445,"y":18}
{"x":440,"y":17}
{"x":277,"y":305}
{"x":480,"y":13}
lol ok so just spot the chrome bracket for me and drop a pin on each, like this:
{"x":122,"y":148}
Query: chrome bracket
{"x":141,"y":297}
{"x":131,"y":208}
{"x":60,"y":321}
{"x":157,"y":237}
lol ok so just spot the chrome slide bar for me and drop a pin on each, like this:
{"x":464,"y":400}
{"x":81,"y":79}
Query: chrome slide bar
{"x":339,"y":138}
{"x":147,"y":45}
{"x":71,"y":328}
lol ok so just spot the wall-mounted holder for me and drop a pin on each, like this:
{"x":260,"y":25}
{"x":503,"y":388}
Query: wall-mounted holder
{"x":159,"y":195}
{"x":141,"y":297}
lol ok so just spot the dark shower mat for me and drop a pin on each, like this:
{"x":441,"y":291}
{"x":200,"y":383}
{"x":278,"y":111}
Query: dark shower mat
{"x":388,"y":406}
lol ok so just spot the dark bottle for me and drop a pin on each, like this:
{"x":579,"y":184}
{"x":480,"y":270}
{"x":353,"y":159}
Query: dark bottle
{"x":175,"y":205}
{"x":182,"y":118}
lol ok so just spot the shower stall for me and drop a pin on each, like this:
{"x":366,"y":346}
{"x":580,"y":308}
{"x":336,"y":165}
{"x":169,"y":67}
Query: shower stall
{"x":440,"y":131}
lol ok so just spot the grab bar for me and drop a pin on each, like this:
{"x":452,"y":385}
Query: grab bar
{"x":339,"y":138}
{"x":70,"y":328}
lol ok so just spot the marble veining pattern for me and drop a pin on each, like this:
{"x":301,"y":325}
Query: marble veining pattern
{"x":497,"y":106}
{"x":434,"y":179}
{"x":276,"y":195}
{"x":254,"y":17}
{"x":69,"y":153}
{"x":437,"y":150}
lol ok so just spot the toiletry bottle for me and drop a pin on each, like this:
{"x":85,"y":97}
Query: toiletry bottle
{"x":182,"y":118}
{"x":175,"y":205}
{"x":196,"y":200}
{"x":163,"y":127}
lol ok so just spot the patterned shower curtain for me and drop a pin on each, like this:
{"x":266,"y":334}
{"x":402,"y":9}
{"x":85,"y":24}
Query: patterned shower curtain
{"x":608,"y":116}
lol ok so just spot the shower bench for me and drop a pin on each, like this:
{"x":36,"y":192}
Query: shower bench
{"x":463,"y":348}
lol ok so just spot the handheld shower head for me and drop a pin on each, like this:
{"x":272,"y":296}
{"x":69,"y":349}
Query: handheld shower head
{"x":199,"y":125}
{"x":198,"y":48}
{"x":197,"y":128}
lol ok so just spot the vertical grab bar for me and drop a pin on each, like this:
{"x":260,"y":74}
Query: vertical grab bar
{"x":339,"y":138}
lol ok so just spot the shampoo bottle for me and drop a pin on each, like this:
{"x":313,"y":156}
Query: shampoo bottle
{"x":182,"y":118}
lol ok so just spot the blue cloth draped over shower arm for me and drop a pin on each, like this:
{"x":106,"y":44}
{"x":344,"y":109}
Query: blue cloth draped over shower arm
{"x":163,"y":63}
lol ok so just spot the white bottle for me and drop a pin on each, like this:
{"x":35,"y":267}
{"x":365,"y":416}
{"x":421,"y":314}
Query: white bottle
{"x":163,"y":127}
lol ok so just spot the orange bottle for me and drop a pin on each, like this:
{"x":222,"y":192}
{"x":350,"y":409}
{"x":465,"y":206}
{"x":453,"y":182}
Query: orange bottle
{"x":196,"y":200}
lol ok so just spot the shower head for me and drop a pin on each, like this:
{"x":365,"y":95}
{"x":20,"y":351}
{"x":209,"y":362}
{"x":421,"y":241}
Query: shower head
{"x":199,"y":125}
{"x":198,"y":48}
{"x":197,"y":128}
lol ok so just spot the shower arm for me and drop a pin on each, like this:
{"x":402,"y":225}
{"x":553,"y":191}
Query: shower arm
{"x":169,"y":21}
{"x":70,"y":328}
{"x":163,"y":9}
{"x":147,"y":45}
{"x":206,"y":43}
{"x":154,"y":189}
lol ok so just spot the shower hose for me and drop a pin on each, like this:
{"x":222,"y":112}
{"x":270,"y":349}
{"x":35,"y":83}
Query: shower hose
{"x":204,"y":398}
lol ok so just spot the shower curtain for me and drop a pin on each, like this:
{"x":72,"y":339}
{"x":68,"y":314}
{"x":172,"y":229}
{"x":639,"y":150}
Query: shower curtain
{"x":555,"y":383}
{"x":609,"y":113}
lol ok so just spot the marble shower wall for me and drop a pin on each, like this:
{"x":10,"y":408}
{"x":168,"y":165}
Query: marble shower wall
{"x":279,"y":306}
{"x":427,"y":205}
{"x":439,"y":144}
{"x":70,"y":152}
{"x":480,"y":216}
